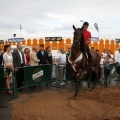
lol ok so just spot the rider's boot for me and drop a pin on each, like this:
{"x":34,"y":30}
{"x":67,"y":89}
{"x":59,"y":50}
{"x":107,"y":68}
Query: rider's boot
{"x":92,"y":64}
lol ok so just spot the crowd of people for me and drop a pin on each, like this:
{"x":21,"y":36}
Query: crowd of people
{"x":18,"y":58}
{"x":11,"y":61}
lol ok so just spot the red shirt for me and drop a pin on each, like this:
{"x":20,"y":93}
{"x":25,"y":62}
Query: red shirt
{"x":28,"y":58}
{"x":87,"y":35}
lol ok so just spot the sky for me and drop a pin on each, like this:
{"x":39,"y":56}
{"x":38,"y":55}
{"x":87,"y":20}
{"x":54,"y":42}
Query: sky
{"x":49,"y":18}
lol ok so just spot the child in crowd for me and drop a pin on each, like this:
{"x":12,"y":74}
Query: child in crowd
{"x":108,"y":60}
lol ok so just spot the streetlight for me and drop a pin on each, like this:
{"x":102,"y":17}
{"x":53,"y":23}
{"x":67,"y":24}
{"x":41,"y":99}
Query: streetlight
{"x":81,"y":21}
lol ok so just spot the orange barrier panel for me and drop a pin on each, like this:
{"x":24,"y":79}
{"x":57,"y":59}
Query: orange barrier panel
{"x":68,"y":44}
{"x":54,"y":45}
{"x":34,"y":42}
{"x":101,"y":46}
{"x":61,"y":44}
{"x":24,"y":42}
{"x":48,"y":44}
{"x":112,"y":47}
{"x":28,"y":42}
{"x":117,"y":46}
{"x":107,"y":44}
{"x":95,"y":45}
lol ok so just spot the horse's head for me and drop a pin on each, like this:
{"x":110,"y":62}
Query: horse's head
{"x":77,"y":37}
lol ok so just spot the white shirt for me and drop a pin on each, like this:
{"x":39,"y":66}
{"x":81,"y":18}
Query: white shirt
{"x":20,"y":56}
{"x":118,"y":57}
{"x":102,"y":62}
{"x":104,"y":55}
{"x":62,"y":58}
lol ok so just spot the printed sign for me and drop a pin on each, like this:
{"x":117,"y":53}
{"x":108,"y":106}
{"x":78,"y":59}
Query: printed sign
{"x":37,"y":74}
{"x":95,"y":39}
{"x":53,"y":38}
{"x":1,"y":41}
{"x":117,"y":40}
{"x":16,"y":40}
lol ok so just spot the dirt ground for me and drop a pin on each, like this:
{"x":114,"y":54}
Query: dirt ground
{"x":100,"y":104}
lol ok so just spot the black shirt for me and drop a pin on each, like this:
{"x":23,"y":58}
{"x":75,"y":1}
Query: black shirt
{"x":1,"y":60}
{"x":49,"y":58}
{"x":42,"y":57}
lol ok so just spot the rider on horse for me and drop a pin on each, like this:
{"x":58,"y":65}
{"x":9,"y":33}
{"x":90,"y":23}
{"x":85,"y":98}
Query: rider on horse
{"x":87,"y":40}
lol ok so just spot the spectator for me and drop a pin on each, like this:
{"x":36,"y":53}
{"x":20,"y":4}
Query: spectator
{"x":110,"y":53}
{"x":108,"y":60}
{"x":33,"y":57}
{"x":42,"y":55}
{"x":97,"y":50}
{"x":8,"y":64}
{"x":68,"y":53}
{"x":19,"y":61}
{"x":92,"y":48}
{"x":118,"y":57}
{"x":27,"y":56}
{"x":1,"y":58}
{"x":104,"y":53}
{"x":61,"y":59}
{"x":48,"y":50}
{"x":102,"y":66}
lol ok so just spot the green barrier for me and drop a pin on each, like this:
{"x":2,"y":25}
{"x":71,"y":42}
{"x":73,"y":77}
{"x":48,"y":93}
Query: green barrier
{"x":118,"y":70}
{"x":2,"y":79}
{"x":34,"y":75}
{"x":110,"y":72}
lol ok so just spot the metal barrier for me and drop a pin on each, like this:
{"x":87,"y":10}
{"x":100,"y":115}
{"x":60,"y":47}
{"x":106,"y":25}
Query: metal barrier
{"x":36,"y":75}
{"x":118,"y":72}
{"x":3,"y":82}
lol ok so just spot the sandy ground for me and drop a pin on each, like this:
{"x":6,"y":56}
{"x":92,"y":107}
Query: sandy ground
{"x":100,"y":104}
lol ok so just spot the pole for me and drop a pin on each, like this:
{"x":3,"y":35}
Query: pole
{"x":81,"y":22}
{"x":20,"y":29}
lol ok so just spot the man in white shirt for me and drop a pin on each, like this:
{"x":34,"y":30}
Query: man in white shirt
{"x":118,"y":56}
{"x":61,"y":59}
{"x":102,"y":66}
{"x":104,"y":53}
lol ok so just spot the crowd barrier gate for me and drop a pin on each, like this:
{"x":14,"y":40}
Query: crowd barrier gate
{"x":35,"y":75}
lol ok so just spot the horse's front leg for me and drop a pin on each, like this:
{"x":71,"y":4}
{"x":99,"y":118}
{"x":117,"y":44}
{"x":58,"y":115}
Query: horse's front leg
{"x":76,"y":83}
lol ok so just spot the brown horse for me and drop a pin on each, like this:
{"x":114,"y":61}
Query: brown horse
{"x":79,"y":61}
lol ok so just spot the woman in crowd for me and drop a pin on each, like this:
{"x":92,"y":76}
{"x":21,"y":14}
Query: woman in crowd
{"x":8,"y":64}
{"x":108,"y":60}
{"x":27,"y":56}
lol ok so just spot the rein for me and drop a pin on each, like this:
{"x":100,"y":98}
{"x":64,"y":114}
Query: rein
{"x":74,"y":62}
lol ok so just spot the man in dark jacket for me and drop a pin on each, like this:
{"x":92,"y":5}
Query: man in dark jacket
{"x":1,"y":58}
{"x":19,"y":61}
{"x":42,"y":55}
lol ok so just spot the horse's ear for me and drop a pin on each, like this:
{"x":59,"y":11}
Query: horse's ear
{"x":74,"y":27}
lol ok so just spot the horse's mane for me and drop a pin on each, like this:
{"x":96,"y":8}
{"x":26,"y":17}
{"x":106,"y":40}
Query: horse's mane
{"x":82,"y":42}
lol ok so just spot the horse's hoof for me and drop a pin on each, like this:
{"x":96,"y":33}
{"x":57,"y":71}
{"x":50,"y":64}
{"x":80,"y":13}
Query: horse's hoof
{"x":88,"y":85}
{"x":75,"y":95}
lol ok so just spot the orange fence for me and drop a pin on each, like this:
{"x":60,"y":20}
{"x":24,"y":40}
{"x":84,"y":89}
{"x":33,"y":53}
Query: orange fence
{"x":57,"y":45}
